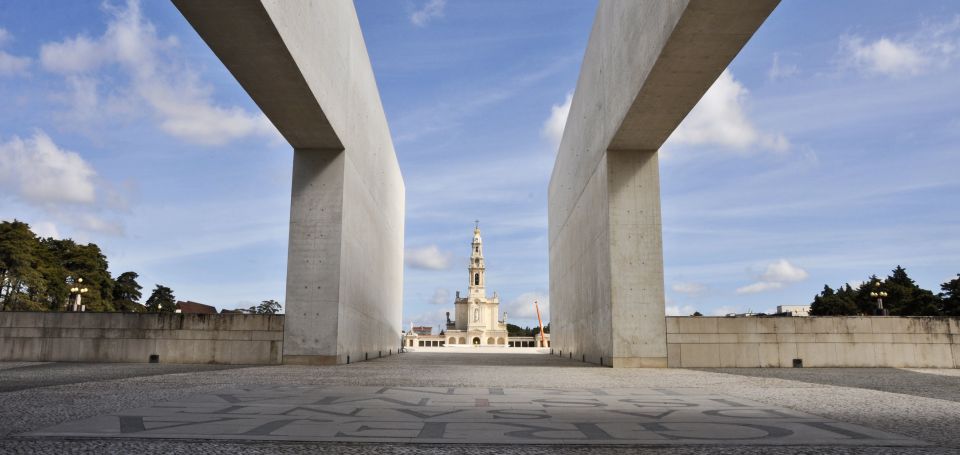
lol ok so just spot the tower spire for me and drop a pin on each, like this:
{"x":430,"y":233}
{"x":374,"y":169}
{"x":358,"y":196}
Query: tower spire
{"x":477,"y":268}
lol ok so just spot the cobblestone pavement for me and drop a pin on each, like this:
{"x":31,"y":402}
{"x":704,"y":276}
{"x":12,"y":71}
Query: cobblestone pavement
{"x":892,"y":411}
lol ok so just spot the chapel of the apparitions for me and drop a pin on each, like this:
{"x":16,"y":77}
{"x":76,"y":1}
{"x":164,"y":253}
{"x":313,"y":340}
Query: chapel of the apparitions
{"x":477,"y":317}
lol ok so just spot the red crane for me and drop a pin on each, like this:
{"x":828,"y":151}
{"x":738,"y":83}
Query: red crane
{"x":543,"y":340}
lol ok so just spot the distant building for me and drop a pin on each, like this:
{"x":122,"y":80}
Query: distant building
{"x":236,"y":311}
{"x":189,"y":307}
{"x":794,"y":310}
{"x":748,"y":314}
{"x":422,"y":330}
{"x":478,"y":320}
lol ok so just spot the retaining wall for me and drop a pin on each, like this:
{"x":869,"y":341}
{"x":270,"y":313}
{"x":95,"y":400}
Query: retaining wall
{"x":133,"y":337}
{"x":718,"y":342}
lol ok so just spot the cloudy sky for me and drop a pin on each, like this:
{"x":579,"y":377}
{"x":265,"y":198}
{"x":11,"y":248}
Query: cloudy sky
{"x":828,"y":151}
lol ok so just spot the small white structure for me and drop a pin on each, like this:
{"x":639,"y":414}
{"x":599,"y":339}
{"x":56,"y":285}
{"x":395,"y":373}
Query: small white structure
{"x":794,"y":310}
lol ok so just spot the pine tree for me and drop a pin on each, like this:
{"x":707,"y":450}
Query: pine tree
{"x":950,"y":297}
{"x":833,"y":303}
{"x":905,"y":298}
{"x":161,"y":300}
{"x":126,"y":293}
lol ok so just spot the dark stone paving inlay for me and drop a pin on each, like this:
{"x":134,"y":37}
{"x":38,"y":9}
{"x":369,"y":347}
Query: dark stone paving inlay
{"x":477,"y":415}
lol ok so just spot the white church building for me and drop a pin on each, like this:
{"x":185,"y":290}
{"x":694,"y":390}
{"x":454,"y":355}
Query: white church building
{"x":477,"y":318}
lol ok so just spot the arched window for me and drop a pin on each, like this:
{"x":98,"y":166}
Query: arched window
{"x":476,"y":249}
{"x":476,"y":279}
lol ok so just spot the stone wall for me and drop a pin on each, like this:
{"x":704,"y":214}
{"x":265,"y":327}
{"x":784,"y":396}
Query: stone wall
{"x":132,"y":337}
{"x":710,"y":342}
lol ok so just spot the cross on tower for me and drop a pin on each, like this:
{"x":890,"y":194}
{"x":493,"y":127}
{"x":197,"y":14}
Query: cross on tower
{"x":476,"y":224}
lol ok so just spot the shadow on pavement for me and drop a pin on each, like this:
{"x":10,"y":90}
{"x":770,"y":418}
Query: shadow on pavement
{"x":893,"y":380}
{"x":59,"y":373}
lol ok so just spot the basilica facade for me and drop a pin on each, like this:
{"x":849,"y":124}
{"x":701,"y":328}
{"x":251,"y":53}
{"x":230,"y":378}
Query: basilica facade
{"x":477,"y":319}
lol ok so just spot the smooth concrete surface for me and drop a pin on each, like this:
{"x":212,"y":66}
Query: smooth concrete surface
{"x":306,"y":65}
{"x":132,"y":337}
{"x":900,"y":342}
{"x":475,"y":403}
{"x":646,"y":65}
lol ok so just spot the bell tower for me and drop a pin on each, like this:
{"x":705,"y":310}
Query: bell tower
{"x":477,"y":268}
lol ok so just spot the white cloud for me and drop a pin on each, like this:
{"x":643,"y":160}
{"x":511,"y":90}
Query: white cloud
{"x":157,"y":80}
{"x":95,"y":223}
{"x":781,"y":70}
{"x":720,"y":119}
{"x":11,"y":64}
{"x":522,"y":307}
{"x":428,"y":258}
{"x":934,"y":45}
{"x":45,"y":229}
{"x":884,"y":56}
{"x":40,"y":172}
{"x":59,"y":182}
{"x":75,"y":55}
{"x":677,"y":310}
{"x":760,"y":286}
{"x":688,"y":288}
{"x":440,"y":297}
{"x":776,"y":276}
{"x":553,"y":126}
{"x":430,"y":10}
{"x":784,"y":271}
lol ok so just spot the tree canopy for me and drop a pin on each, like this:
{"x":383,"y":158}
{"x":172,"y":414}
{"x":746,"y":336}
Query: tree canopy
{"x":903,"y":298}
{"x":34,"y":272}
{"x":266,"y":307}
{"x":517,"y":331}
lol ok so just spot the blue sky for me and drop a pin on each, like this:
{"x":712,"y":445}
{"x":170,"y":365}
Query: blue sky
{"x":827,"y":152}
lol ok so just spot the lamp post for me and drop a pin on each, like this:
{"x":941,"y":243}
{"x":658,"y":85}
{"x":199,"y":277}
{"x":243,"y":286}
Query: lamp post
{"x":78,"y":290}
{"x":879,"y":295}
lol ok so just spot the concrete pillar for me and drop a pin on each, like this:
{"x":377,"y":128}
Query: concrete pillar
{"x":306,"y":66}
{"x":636,"y":259}
{"x":647,"y":64}
{"x":313,"y":257}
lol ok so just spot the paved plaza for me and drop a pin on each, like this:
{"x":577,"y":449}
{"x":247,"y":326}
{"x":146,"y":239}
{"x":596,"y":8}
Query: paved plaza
{"x":481,"y":402}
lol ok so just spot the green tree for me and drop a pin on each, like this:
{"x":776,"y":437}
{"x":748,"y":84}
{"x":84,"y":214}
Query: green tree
{"x":126,"y":293}
{"x":266,"y":307}
{"x":905,"y":298}
{"x":161,"y":300}
{"x":834,"y":303}
{"x":18,"y":265}
{"x":89,"y":263}
{"x":52,"y":292}
{"x":950,"y":297}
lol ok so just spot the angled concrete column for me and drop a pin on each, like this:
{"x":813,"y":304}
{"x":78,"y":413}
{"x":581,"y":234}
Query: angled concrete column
{"x":306,"y":66}
{"x":647,"y":64}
